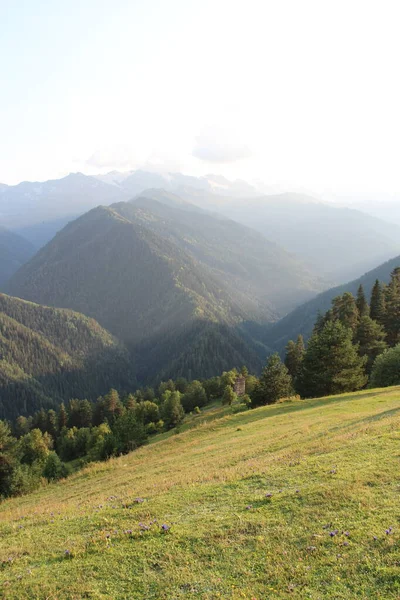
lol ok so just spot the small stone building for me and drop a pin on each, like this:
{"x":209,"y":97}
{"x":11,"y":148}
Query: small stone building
{"x":239,"y":386}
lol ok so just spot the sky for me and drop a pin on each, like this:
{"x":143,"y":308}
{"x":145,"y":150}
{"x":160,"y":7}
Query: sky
{"x":299,"y":94}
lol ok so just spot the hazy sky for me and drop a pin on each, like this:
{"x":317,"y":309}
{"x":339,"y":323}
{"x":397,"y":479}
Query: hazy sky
{"x":301,"y":93}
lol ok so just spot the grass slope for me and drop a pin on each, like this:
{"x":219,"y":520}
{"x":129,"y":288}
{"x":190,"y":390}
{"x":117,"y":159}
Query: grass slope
{"x":330,"y":464}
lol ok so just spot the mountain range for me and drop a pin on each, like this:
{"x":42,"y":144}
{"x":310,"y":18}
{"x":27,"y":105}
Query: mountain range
{"x":165,"y":277}
{"x":315,"y":231}
{"x":48,"y":355}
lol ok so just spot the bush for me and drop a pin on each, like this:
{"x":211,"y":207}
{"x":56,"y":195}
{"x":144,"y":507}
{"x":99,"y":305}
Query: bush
{"x":54,"y":469}
{"x":195,"y":395}
{"x":386,"y":368}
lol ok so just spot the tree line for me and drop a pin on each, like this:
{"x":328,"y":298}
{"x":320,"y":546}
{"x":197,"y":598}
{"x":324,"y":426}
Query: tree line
{"x":354,"y":344}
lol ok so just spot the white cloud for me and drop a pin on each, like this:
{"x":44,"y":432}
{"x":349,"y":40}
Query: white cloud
{"x":121,"y":157}
{"x":217,"y":145}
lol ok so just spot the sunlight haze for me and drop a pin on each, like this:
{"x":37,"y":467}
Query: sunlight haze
{"x":301,"y":95}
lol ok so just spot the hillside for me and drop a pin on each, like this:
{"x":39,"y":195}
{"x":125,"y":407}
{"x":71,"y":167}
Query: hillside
{"x":49,"y":355}
{"x":14,"y":252}
{"x":295,"y":499}
{"x":159,"y":277}
{"x":319,"y":233}
{"x":302,"y":319}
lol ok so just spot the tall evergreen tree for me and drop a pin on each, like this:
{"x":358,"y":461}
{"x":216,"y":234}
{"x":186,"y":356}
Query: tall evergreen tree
{"x":377,"y":304}
{"x":392,"y":309}
{"x":370,"y":337}
{"x":294,"y":356}
{"x":361,"y":302}
{"x":345,"y":310}
{"x":331,"y":364}
{"x":62,"y":417}
{"x":274,"y":383}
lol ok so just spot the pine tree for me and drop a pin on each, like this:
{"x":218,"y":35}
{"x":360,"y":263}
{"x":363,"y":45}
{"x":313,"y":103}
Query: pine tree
{"x":331,"y":364}
{"x":377,"y":304}
{"x":113,"y":406}
{"x":392,"y":309}
{"x":274,"y":383}
{"x":294,"y":356}
{"x":131,"y":403}
{"x":52,"y":424}
{"x":361,"y":302}
{"x":344,"y":309}
{"x":370,"y":336}
{"x":62,"y":417}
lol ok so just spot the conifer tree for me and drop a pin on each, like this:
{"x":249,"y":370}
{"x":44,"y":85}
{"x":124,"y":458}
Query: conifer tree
{"x":274,"y":383}
{"x":370,"y":337}
{"x":344,"y":309}
{"x":377,"y":304}
{"x":131,"y":403}
{"x":294,"y":356}
{"x":113,"y":406}
{"x":331,"y":364}
{"x":62,"y":417}
{"x":52,"y":425}
{"x":361,"y":302}
{"x":392,"y":309}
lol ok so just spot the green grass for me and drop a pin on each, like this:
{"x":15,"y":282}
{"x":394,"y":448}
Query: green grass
{"x":330,"y":464}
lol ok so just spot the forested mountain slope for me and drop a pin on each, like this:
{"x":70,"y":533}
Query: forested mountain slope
{"x":14,"y":252}
{"x":302,"y":319}
{"x":162,"y":278}
{"x":48,"y":355}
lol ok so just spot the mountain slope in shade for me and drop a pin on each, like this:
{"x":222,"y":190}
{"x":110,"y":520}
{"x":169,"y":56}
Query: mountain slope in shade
{"x":302,"y":319}
{"x":50,"y":355}
{"x":14,"y":252}
{"x":163,"y":278}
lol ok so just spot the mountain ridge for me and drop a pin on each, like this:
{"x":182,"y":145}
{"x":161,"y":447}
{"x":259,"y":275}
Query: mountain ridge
{"x":302,"y":319}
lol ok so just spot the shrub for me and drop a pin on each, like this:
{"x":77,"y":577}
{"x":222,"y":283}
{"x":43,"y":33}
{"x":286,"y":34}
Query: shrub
{"x":386,"y":368}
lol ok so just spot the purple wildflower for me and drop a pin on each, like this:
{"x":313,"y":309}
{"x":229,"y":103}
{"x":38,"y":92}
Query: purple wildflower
{"x":269,"y":495}
{"x":248,"y":507}
{"x":333,"y":533}
{"x":165,"y":527}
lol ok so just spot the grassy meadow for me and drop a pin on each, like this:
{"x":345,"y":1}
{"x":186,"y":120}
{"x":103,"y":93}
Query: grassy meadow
{"x":300,"y":499}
